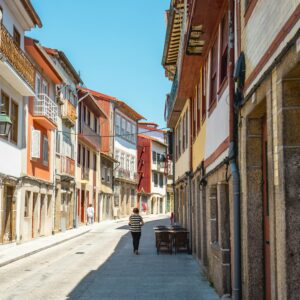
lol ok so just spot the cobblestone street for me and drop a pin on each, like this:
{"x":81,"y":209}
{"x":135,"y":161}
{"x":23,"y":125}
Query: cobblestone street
{"x":100,"y":265}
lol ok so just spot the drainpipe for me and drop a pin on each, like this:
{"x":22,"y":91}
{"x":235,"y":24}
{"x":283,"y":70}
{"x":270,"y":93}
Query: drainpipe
{"x":173,"y":166}
{"x":236,"y":293}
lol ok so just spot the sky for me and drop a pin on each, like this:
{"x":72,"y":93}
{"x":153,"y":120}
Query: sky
{"x":116,"y":46}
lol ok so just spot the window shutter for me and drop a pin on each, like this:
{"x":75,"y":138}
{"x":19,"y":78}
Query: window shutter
{"x":35,"y":143}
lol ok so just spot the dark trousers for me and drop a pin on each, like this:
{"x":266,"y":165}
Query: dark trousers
{"x":136,"y":240}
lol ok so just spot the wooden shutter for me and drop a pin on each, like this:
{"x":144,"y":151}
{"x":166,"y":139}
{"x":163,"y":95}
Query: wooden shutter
{"x":35,"y":143}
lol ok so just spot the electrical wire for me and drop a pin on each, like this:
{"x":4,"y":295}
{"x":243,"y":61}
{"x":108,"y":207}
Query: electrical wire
{"x":107,"y":136}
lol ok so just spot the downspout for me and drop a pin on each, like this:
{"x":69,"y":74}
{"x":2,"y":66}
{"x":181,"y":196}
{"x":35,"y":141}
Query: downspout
{"x":236,"y":290}
{"x":189,"y":174}
{"x":173,"y":166}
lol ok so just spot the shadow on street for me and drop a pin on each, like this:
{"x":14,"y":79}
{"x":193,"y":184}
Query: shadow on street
{"x":145,"y":276}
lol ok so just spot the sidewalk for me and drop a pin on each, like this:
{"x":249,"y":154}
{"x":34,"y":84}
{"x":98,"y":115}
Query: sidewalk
{"x":13,"y":252}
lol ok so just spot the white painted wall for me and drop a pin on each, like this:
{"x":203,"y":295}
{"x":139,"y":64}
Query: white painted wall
{"x":10,"y":154}
{"x":217,"y":125}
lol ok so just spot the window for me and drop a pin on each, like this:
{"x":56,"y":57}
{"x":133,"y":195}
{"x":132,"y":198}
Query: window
{"x":186,"y":128}
{"x":133,"y":133}
{"x":194,"y":114}
{"x":17,"y":37}
{"x":89,"y":118}
{"x":95,"y":162}
{"x":83,"y":157}
{"x":214,"y":214}
{"x":158,"y":158}
{"x":45,"y":88}
{"x":84,"y":114}
{"x":26,"y":204}
{"x":118,"y":124}
{"x":14,"y":116}
{"x":224,"y":48}
{"x":57,"y":142}
{"x":161,"y":180}
{"x":155,"y":178}
{"x":78,"y":153}
{"x":122,"y":161}
{"x":45,"y":151}
{"x":108,"y":175}
{"x":95,"y":124}
{"x":123,"y":128}
{"x":154,"y":157}
{"x":198,"y":104}
{"x":128,"y":131}
{"x":88,"y":158}
{"x":213,"y":73}
{"x":127,"y":162}
{"x":203,"y":93}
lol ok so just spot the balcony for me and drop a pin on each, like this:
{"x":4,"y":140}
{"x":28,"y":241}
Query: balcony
{"x":89,"y":136}
{"x":45,"y":111}
{"x":126,"y":175}
{"x":171,"y":99}
{"x":85,"y":174}
{"x":67,"y":166}
{"x":160,"y":167}
{"x":23,"y":79}
{"x":68,"y":113}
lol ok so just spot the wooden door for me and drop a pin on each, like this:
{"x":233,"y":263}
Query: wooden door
{"x":267,"y":251}
{"x":9,"y":217}
{"x":82,"y":206}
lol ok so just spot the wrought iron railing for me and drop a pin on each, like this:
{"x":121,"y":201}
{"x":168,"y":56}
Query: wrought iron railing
{"x":46,"y":107}
{"x":16,"y":56}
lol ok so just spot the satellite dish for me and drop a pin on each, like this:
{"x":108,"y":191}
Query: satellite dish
{"x":1,"y":14}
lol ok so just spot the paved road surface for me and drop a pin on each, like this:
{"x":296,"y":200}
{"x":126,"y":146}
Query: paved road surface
{"x":101,"y":265}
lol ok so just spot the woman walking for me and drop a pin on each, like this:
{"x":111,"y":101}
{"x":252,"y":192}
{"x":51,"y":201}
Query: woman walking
{"x":136,"y":222}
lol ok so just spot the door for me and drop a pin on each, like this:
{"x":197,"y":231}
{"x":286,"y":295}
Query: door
{"x":9,"y":228}
{"x":41,"y":231}
{"x":266,"y":211}
{"x":33,"y":215}
{"x":82,"y":206}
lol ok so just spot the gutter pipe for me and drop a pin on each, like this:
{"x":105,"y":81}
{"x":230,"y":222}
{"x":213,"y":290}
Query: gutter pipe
{"x":236,"y":293}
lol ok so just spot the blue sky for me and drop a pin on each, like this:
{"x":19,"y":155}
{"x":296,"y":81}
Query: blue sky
{"x":116,"y":45}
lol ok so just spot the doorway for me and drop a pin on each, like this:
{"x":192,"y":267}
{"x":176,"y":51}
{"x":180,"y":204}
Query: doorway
{"x":9,"y":216}
{"x":82,"y":206}
{"x":33,"y":214}
{"x":266,"y":221}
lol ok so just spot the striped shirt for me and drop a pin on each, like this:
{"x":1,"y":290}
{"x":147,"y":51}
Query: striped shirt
{"x":135,"y":222}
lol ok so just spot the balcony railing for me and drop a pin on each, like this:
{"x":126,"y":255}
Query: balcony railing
{"x":67,"y":166}
{"x":16,"y":56}
{"x":68,"y":113}
{"x":126,"y":174}
{"x":44,"y":106}
{"x":85,"y":174}
{"x":90,"y":135}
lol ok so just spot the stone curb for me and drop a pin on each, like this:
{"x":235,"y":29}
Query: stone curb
{"x":2,"y":264}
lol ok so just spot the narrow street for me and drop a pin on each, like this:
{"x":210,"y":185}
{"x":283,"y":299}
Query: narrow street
{"x":100,"y":265}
